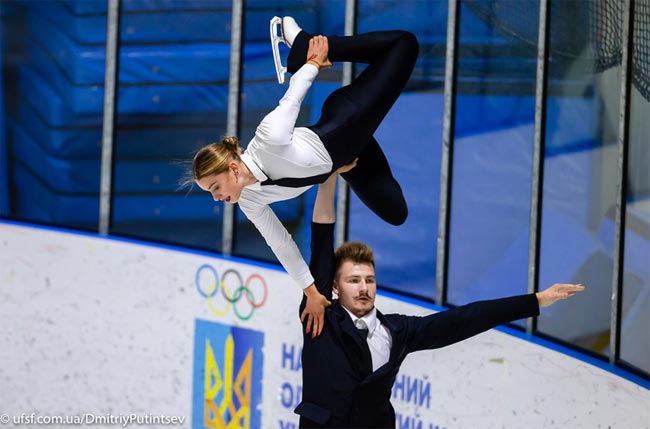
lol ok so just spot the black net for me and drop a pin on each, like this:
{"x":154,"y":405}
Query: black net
{"x":641,"y":68}
{"x":588,"y":30}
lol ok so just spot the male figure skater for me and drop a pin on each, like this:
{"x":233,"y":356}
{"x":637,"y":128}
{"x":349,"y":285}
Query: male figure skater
{"x":349,"y":370}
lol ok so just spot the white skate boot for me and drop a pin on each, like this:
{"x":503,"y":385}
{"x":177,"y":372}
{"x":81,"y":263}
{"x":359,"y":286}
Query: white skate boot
{"x":289,"y":29}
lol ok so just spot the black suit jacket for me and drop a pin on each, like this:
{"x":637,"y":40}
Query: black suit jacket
{"x":340,"y":390}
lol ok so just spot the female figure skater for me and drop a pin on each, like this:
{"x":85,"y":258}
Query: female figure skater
{"x":282,"y":161}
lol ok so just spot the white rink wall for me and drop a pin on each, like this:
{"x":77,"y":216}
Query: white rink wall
{"x":119,"y":330}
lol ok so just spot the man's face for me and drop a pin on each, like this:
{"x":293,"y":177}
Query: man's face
{"x":356,"y":287}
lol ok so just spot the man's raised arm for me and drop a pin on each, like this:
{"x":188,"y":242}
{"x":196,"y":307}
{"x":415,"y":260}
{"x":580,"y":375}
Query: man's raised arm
{"x":321,"y":264}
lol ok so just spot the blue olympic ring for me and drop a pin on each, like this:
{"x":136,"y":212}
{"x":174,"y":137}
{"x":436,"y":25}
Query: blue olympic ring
{"x":197,"y":281}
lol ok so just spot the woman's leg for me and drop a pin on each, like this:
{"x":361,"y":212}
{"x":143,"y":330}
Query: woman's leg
{"x":351,"y":114}
{"x":374,"y":184}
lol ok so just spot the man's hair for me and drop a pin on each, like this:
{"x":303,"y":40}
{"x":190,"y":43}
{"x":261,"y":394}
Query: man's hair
{"x":355,"y":252}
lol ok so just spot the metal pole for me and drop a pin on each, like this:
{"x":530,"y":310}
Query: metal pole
{"x":623,"y":141}
{"x":342,"y":199}
{"x":4,"y":166}
{"x":234,"y":107}
{"x":108,"y":124}
{"x":446,"y":161}
{"x":538,"y":155}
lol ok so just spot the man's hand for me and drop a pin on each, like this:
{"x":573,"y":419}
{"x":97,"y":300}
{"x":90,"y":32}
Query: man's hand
{"x":556,"y":292}
{"x":317,"y":53}
{"x":314,"y":311}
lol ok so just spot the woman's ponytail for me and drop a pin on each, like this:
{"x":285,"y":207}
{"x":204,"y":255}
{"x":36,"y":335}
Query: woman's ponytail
{"x":215,"y":158}
{"x":232,"y":145}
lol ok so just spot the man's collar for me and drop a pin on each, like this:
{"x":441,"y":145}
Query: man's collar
{"x":369,"y":318}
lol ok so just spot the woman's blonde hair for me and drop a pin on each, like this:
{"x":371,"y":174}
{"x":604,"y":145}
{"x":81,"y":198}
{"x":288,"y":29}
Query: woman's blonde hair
{"x":215,"y":158}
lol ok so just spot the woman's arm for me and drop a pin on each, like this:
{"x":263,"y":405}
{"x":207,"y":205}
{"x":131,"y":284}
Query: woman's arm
{"x":277,"y":127}
{"x":278,"y":239}
{"x":289,"y":255}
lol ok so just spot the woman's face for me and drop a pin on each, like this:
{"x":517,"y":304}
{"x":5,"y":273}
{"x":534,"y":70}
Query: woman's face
{"x":225,"y":186}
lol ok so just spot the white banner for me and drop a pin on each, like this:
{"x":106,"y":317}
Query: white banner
{"x":153,"y":336}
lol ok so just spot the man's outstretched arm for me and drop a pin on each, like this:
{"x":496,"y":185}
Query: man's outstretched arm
{"x":556,"y":292}
{"x":451,"y":326}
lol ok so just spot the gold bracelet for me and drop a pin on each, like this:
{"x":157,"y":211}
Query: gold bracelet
{"x":314,"y":62}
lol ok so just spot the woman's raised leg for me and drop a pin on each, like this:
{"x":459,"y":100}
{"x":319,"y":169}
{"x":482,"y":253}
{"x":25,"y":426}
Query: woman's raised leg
{"x":374,"y":184}
{"x":351,"y":114}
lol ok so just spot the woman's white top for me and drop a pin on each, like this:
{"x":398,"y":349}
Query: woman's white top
{"x":279,"y":150}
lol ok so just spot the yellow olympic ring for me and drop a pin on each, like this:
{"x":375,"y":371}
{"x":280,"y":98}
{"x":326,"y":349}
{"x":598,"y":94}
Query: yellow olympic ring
{"x":209,"y":300}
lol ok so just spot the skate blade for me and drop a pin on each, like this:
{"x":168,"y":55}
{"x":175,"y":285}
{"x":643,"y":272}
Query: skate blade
{"x":276,"y":23}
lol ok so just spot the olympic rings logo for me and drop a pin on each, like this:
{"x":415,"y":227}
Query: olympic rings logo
{"x":211,"y":287}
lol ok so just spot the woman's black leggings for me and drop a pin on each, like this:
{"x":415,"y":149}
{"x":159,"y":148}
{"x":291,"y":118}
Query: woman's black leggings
{"x":351,"y":114}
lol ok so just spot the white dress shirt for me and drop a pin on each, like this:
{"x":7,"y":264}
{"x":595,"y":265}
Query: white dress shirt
{"x":379,"y":339}
{"x":280,"y":150}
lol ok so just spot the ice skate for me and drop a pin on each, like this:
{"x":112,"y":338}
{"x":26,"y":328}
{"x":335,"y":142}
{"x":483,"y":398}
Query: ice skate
{"x":288,"y":30}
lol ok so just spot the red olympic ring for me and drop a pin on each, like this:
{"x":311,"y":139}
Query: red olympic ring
{"x":248,"y":295}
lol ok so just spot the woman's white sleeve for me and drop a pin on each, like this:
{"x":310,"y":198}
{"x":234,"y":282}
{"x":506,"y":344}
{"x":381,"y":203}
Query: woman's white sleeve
{"x":277,"y":127}
{"x":280,"y":241}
